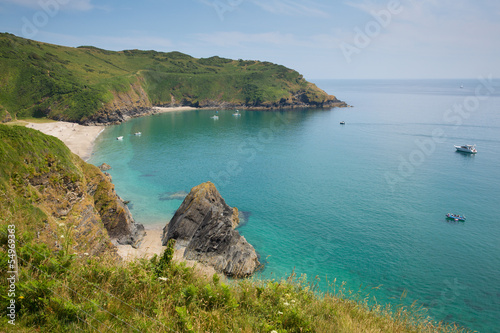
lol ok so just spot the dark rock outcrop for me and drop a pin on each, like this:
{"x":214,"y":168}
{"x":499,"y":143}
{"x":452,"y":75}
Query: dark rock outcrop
{"x":5,"y":116}
{"x":204,"y":224}
{"x":124,"y":106}
{"x":113,"y":211}
{"x":104,"y":167}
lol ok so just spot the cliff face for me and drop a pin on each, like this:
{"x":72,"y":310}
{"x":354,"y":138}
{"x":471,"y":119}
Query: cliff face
{"x":4,"y":115}
{"x":298,"y":100}
{"x":113,"y":212}
{"x":75,"y":203}
{"x":133,"y":102}
{"x":204,"y":224}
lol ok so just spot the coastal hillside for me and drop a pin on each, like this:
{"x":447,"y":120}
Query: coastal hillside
{"x":57,"y":198}
{"x":92,"y":85}
{"x":64,"y":217}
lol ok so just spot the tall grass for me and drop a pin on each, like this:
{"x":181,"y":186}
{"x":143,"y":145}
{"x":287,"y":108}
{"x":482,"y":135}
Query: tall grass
{"x":66,"y":292}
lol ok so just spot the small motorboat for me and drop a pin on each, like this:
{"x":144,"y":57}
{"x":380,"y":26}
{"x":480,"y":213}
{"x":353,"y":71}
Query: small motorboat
{"x":455,"y":217}
{"x":119,"y":138}
{"x":237,"y":113}
{"x":138,"y":133}
{"x":215,"y":117}
{"x":471,"y":149}
{"x":342,"y":123}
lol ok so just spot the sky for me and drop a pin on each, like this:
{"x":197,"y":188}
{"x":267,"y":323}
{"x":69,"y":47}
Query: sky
{"x":352,"y":39}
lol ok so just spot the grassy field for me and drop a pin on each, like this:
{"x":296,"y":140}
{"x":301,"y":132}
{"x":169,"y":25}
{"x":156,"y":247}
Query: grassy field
{"x":44,"y":80}
{"x":61,"y":288}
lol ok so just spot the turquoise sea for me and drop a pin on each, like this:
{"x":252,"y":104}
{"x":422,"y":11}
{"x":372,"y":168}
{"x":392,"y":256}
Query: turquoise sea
{"x":363,"y":202}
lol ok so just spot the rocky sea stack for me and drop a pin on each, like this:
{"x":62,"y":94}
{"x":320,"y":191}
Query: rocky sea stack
{"x":204,"y":224}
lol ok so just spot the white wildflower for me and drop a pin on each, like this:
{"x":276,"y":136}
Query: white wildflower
{"x":62,"y":236}
{"x":280,"y":313}
{"x":293,"y":301}
{"x":274,"y":331}
{"x":162,"y":278}
{"x":61,"y":224}
{"x":85,"y":254}
{"x":286,"y":304}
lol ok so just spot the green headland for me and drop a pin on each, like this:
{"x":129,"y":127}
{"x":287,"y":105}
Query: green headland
{"x":91,"y":85}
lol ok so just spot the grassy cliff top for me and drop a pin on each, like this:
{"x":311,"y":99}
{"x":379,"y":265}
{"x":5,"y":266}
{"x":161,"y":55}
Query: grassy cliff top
{"x":40,"y":79}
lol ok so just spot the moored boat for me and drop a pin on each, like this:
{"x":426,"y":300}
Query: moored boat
{"x":342,"y":123}
{"x":119,"y":138}
{"x":456,"y":217}
{"x":137,"y":133}
{"x":471,"y":149}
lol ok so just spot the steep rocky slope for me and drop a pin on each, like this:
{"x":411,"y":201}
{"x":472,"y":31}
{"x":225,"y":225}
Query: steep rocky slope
{"x":46,"y":188}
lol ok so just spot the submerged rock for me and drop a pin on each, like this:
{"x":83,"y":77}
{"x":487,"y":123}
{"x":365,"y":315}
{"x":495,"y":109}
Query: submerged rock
{"x":180,"y":195}
{"x":204,"y":224}
{"x":244,"y":216}
{"x":104,"y":167}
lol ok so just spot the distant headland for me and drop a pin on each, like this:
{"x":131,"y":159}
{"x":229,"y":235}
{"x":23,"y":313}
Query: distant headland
{"x":88,"y":85}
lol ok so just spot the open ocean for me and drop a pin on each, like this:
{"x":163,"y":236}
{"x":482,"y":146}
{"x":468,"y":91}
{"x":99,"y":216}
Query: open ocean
{"x":363,"y":202}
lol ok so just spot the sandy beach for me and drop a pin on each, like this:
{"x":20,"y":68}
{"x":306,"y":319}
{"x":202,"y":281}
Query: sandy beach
{"x":159,"y":109}
{"x":79,"y":139}
{"x":151,"y":245}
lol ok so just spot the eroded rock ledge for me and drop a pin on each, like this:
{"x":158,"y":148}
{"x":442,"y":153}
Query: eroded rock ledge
{"x":204,"y":224}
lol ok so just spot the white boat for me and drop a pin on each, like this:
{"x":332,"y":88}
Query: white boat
{"x":215,"y":117}
{"x":137,"y":133}
{"x":471,"y":149}
{"x":237,"y":113}
{"x":342,"y":123}
{"x":119,"y":138}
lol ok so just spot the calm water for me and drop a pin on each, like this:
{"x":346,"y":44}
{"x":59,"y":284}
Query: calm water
{"x":363,"y":203}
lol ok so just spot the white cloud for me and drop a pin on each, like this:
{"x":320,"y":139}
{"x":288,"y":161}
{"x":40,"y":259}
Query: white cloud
{"x":79,"y":5}
{"x":433,"y":38}
{"x":291,"y":7}
{"x":133,"y":42}
{"x":302,"y":8}
{"x":430,"y":26}
{"x":236,"y":39}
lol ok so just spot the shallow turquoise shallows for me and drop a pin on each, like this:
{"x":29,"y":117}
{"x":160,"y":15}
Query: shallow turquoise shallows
{"x":363,"y":202}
